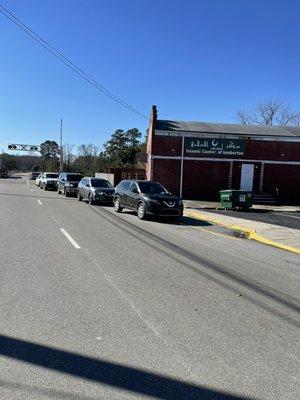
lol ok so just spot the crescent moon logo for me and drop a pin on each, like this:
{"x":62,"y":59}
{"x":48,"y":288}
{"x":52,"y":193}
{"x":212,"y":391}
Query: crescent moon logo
{"x":214,"y":142}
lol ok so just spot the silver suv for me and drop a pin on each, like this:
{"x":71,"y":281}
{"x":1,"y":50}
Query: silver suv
{"x":95,"y":190}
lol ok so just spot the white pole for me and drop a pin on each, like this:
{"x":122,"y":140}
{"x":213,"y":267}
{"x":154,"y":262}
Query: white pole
{"x":61,"y":160}
{"x":181,"y":166}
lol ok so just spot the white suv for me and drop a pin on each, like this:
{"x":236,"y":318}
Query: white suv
{"x":38,"y":180}
{"x":48,"y":180}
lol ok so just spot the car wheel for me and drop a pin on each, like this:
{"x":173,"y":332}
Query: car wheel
{"x":141,"y":211}
{"x":79,"y":197}
{"x":117,"y":205}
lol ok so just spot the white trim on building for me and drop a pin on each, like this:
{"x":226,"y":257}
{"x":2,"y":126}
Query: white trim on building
{"x":243,"y":160}
{"x":267,"y":138}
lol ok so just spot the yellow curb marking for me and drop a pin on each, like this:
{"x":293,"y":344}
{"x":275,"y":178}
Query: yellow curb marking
{"x":249,"y":232}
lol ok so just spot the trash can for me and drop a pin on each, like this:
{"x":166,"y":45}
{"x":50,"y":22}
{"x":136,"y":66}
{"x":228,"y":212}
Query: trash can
{"x":233,"y":199}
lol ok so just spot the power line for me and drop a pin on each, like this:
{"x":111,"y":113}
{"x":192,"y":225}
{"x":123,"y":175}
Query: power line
{"x":66,"y":61}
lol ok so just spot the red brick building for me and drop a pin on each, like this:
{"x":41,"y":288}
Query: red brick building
{"x":197,"y":159}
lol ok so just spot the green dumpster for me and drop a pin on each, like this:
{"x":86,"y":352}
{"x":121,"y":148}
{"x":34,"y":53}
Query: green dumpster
{"x":233,"y":199}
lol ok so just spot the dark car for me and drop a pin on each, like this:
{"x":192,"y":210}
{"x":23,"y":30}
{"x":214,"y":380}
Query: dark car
{"x":67,"y":183}
{"x":147,"y":197}
{"x":95,"y":190}
{"x":33,"y":176}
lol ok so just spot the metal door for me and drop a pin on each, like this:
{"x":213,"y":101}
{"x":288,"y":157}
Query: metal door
{"x":247,"y":175}
{"x":85,"y":188}
{"x":133,"y":197}
{"x":124,"y":193}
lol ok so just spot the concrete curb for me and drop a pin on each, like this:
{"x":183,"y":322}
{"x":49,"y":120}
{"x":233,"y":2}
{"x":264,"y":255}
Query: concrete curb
{"x":201,"y":208}
{"x":251,"y":233}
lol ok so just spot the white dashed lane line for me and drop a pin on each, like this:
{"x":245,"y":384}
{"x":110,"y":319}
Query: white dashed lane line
{"x":69,"y":237}
{"x":39,"y":201}
{"x":54,"y":220}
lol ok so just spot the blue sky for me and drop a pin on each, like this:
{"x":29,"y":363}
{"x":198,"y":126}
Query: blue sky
{"x":196,"y":60}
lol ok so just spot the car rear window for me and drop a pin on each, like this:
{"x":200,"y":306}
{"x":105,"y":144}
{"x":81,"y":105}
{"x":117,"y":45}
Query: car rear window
{"x":74,"y":177}
{"x":51,"y":175}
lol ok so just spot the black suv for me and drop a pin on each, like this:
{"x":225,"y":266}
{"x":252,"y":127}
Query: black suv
{"x":95,"y":190}
{"x":67,"y":183}
{"x":147,"y":197}
{"x":33,"y":176}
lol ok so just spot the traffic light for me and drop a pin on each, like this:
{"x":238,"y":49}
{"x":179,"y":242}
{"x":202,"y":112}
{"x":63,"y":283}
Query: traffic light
{"x":23,"y":147}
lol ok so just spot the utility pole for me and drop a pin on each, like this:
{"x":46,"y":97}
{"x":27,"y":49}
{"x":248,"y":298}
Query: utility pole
{"x":61,"y":159}
{"x":2,"y":166}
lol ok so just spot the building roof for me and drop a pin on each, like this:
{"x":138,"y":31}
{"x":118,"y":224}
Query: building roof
{"x":232,"y":129}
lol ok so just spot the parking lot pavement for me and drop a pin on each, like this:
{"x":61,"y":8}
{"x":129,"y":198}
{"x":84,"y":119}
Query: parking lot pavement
{"x":99,"y":305}
{"x":215,"y":205}
{"x":282,"y":218}
{"x":275,"y":235}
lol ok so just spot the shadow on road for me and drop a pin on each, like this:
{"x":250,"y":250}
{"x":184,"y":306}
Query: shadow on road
{"x":193,"y":222}
{"x":107,"y":373}
{"x":188,"y":221}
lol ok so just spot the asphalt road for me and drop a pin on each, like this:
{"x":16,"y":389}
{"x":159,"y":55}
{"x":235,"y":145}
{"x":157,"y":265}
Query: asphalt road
{"x":281,"y":218}
{"x":97,"y":305}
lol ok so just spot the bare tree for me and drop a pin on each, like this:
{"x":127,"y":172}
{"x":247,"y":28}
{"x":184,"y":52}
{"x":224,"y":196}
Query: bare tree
{"x":270,"y":112}
{"x":86,"y":159}
{"x":245,"y":117}
{"x":68,"y":155}
{"x":88,"y":150}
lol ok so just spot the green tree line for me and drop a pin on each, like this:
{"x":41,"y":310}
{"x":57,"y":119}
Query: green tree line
{"x":123,"y":149}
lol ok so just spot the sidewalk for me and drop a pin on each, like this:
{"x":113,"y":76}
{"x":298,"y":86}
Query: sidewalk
{"x":213,"y":205}
{"x":274,"y":235}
